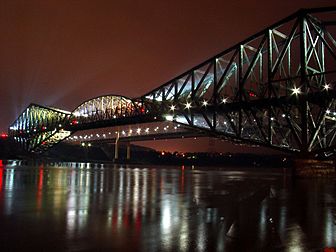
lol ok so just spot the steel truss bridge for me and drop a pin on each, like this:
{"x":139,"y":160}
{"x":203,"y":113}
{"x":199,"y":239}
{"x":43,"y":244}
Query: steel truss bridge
{"x":275,"y":89}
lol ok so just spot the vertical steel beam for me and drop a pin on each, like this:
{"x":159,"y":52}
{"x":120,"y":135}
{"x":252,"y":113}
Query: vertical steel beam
{"x":269,"y":80}
{"x":215,"y":96}
{"x":304,"y":83}
{"x":240,"y":87}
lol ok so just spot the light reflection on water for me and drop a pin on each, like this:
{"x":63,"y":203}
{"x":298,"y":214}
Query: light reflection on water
{"x":82,"y":206}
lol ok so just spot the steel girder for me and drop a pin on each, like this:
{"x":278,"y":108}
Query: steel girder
{"x":107,"y":110}
{"x":276,"y":88}
{"x":38,"y":127}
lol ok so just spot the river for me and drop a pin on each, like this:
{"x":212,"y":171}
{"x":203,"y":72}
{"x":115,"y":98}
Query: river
{"x":106,"y":207}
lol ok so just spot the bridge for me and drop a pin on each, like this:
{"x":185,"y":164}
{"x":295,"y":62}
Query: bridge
{"x":274,"y":89}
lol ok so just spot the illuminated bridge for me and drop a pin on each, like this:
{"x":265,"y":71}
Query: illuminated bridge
{"x":275,"y":89}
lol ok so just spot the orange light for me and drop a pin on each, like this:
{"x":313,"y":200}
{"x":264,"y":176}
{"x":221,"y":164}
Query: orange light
{"x":40,"y":183}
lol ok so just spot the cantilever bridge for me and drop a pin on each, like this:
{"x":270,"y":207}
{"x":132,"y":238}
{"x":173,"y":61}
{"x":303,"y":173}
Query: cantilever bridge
{"x":276,"y":89}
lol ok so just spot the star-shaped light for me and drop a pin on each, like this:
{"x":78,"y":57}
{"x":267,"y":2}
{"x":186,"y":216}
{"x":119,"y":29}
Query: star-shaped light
{"x":188,"y":105}
{"x":296,"y":90}
{"x":224,"y":100}
{"x":327,"y":87}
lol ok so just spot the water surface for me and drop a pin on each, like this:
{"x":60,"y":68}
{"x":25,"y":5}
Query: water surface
{"x":96,"y":207}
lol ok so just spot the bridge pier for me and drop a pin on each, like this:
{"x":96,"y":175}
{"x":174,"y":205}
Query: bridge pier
{"x":116,"y":148}
{"x":128,"y":151}
{"x":310,"y":167}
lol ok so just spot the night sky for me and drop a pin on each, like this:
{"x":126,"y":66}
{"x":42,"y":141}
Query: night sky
{"x":60,"y":53}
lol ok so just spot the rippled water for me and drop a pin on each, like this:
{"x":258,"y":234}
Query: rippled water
{"x":94,"y":207}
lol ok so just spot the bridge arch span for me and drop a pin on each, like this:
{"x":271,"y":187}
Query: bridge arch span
{"x":107,"y":107}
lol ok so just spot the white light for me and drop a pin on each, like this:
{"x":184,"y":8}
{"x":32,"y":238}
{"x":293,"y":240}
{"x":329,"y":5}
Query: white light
{"x":123,"y":132}
{"x":224,"y":100}
{"x":172,"y":107}
{"x":138,"y":130}
{"x":147,"y":130}
{"x":328,"y":111}
{"x":76,"y":113}
{"x":89,"y":144}
{"x":104,"y":135}
{"x":283,"y":115}
{"x":83,"y":144}
{"x":326,"y":86}
{"x":130,"y":131}
{"x":188,"y":105}
{"x":296,"y":90}
{"x":175,"y":127}
{"x":272,"y":118}
{"x":205,"y":103}
{"x":169,"y":118}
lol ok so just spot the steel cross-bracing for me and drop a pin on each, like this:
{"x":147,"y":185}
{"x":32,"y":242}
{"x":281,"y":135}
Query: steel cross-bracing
{"x":276,"y":89}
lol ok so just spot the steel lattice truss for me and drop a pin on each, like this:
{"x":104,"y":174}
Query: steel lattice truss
{"x":106,"y":110}
{"x":276,"y":88}
{"x":39,"y":127}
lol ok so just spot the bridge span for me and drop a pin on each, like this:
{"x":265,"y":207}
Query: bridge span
{"x":276,"y":88}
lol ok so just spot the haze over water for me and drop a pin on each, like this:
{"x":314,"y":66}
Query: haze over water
{"x":94,"y":207}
